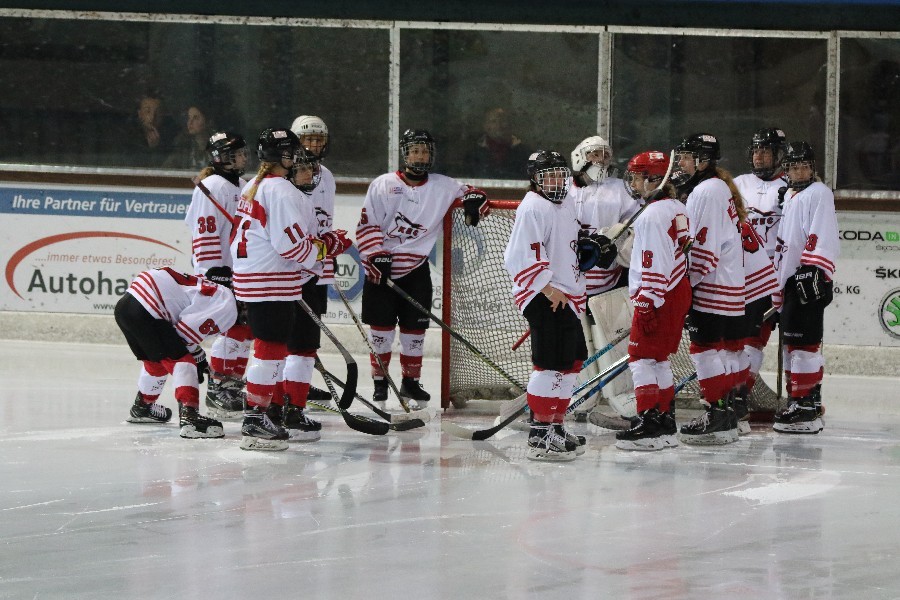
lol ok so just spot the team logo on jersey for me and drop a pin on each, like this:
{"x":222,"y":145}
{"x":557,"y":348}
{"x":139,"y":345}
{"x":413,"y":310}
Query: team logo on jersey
{"x":889,"y":313}
{"x":405,"y":229}
{"x":764,"y":221}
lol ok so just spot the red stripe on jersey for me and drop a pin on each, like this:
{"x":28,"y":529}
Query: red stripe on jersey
{"x":257,"y":211}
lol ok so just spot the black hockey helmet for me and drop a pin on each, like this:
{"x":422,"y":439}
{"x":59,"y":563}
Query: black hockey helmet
{"x":703,"y":146}
{"x":414,"y":137}
{"x":773,"y":139}
{"x":544,"y":164}
{"x":799,"y":153}
{"x":277,"y":143}
{"x":223,"y":149}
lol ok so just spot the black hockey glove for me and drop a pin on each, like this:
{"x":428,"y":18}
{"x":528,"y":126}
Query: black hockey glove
{"x":220,"y":275}
{"x":812,"y":285}
{"x":379,"y":270}
{"x":781,"y":192}
{"x":475,"y":206}
{"x":200,"y":360}
{"x":595,"y":250}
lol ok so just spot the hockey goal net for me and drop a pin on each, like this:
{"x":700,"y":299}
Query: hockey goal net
{"x":477,"y":303}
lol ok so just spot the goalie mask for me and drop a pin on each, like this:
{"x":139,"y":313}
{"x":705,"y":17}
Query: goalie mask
{"x":549,"y":174}
{"x":417,"y":151}
{"x":651,"y":167}
{"x":591,"y":158}
{"x":313,"y":134}
{"x":799,"y":165}
{"x":306,"y":173}
{"x":277,"y":145}
{"x":765,"y":165}
{"x":227,"y":152}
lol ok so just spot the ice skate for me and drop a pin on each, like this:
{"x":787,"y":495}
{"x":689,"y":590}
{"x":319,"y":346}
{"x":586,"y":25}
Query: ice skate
{"x":261,"y":433}
{"x":546,"y":444}
{"x":715,"y":426}
{"x":225,"y":397}
{"x":381,"y":391}
{"x":195,"y":426}
{"x":646,"y":433}
{"x":800,"y":416}
{"x":579,"y":440}
{"x":669,"y":427}
{"x":411,"y":388}
{"x":300,"y":427}
{"x":142,"y":412}
{"x":741,"y":413}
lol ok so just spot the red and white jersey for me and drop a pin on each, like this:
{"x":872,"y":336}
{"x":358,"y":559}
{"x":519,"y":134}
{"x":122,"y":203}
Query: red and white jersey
{"x":658,"y":262}
{"x":759,"y":273}
{"x":197,"y":307}
{"x":763,"y":213}
{"x":602,"y":205}
{"x":322,"y":199}
{"x":210,"y":224}
{"x":809,"y":232}
{"x":404,"y":219}
{"x":716,"y":256}
{"x":541,"y":250}
{"x":271,"y":251}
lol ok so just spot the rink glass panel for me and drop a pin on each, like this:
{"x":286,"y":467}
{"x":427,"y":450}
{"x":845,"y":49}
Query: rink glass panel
{"x":869,"y":157}
{"x":667,"y":87}
{"x":72,"y":86}
{"x":546,"y":83}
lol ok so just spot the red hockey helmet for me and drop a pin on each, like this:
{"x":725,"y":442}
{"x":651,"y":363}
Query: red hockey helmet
{"x":652,"y":165}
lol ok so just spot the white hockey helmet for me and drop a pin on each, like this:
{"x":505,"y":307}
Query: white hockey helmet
{"x":311,"y":125}
{"x":595,"y":168}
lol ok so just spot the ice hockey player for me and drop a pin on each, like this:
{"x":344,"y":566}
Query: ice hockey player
{"x":716,"y":274}
{"x":317,"y":183}
{"x":273,"y":254}
{"x":808,"y":247}
{"x":210,"y":217}
{"x":401,"y":220}
{"x":661,"y":295}
{"x":544,"y":257}
{"x":164,"y":315}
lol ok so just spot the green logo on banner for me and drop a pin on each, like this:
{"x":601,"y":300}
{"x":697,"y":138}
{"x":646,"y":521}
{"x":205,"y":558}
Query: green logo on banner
{"x":890,"y":313}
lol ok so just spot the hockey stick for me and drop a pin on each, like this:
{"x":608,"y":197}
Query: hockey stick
{"x":478,"y":353}
{"x":208,"y":194}
{"x":421,"y":416}
{"x":359,"y":422}
{"x":521,"y":340}
{"x":352,"y":373}
{"x":617,"y":368}
{"x":483,"y":434}
{"x":362,"y":332}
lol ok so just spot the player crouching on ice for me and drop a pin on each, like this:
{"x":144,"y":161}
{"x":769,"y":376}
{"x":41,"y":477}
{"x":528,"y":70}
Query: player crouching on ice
{"x":548,"y":287}
{"x":164,"y":315}
{"x":808,"y":247}
{"x":661,"y":295}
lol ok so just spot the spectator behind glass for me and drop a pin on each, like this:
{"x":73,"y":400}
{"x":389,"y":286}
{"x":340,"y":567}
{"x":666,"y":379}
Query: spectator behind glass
{"x":150,"y":135}
{"x":190,"y":144}
{"x":497,"y":154}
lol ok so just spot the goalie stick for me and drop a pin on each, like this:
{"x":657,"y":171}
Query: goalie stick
{"x":459,"y":338}
{"x":352,"y":372}
{"x":359,"y":422}
{"x":483,"y":434}
{"x":420,"y":416}
{"x":362,"y":332}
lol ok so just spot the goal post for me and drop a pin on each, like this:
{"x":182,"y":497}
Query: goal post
{"x":477,"y":303}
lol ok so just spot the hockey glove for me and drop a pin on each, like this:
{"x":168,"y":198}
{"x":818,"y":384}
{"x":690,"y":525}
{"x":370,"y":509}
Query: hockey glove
{"x":199,"y":357}
{"x":220,"y":275}
{"x":595,"y":250}
{"x":781,"y":192}
{"x":475,"y":206}
{"x":336,"y":242}
{"x":812,"y":284}
{"x":645,"y":314}
{"x":378,"y":267}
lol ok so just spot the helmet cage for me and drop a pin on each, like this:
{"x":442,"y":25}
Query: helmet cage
{"x":305,"y":125}
{"x":417,"y":167}
{"x":553,"y":182}
{"x":773,"y":139}
{"x":304,"y":160}
{"x":800,"y":184}
{"x":596,"y":169}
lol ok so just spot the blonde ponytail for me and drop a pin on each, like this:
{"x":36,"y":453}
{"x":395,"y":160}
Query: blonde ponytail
{"x":264,"y":169}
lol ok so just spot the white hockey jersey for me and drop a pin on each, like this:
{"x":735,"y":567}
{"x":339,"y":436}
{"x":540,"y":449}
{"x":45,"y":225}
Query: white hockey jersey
{"x":211,"y":224}
{"x":716,"y":257}
{"x":601,"y":205}
{"x":809,"y":233}
{"x":197,"y":307}
{"x":658,"y":262}
{"x":404,"y":220}
{"x":759,"y":273}
{"x":541,"y":251}
{"x":763,"y":213}
{"x":271,"y":251}
{"x":322,"y":199}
